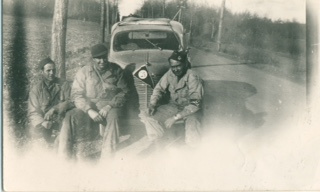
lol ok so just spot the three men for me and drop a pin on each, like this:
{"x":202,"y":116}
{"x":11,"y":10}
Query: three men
{"x":186,"y":92}
{"x":99,"y":92}
{"x":48,"y":101}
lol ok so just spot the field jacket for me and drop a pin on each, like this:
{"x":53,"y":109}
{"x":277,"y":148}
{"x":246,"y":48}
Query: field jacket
{"x":89,"y":91}
{"x":186,"y":93}
{"x":43,"y":97}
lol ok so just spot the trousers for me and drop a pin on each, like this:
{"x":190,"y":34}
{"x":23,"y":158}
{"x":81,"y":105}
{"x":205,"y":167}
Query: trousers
{"x":80,"y":135}
{"x":155,"y":124}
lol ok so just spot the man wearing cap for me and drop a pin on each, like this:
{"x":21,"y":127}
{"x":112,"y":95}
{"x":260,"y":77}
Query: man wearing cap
{"x":186,"y":92}
{"x":98,"y":92}
{"x":49,"y":99}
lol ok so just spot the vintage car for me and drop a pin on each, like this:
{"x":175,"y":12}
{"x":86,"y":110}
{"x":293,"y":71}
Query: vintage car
{"x":142,"y":46}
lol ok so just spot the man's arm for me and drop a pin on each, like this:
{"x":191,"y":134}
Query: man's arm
{"x":35,"y":113}
{"x":120,"y":98}
{"x":195,"y":98}
{"x":65,"y":97}
{"x":157,"y":94}
{"x":196,"y":92}
{"x":159,"y":90}
{"x":78,"y":91}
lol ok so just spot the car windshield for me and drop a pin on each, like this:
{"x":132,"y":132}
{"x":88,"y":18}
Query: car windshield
{"x":145,"y":39}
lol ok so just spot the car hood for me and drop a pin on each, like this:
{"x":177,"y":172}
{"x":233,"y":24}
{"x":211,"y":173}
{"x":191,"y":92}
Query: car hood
{"x":155,"y":60}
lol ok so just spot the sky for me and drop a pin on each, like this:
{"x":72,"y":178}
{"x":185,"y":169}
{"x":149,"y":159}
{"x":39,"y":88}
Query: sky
{"x":273,"y":9}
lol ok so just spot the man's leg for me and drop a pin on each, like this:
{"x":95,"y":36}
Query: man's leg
{"x":111,"y":133}
{"x":40,"y":133}
{"x":76,"y":127}
{"x":193,"y":130}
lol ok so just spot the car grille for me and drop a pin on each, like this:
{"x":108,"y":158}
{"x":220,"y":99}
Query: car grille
{"x":144,"y":92}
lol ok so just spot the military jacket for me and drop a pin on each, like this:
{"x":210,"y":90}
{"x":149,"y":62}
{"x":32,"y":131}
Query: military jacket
{"x":43,"y":97}
{"x":186,"y":93}
{"x":89,"y":89}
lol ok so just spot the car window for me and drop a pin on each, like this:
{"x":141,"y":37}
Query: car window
{"x":145,"y":39}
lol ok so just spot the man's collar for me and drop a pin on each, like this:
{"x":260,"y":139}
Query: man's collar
{"x":94,"y":68}
{"x":49,"y":83}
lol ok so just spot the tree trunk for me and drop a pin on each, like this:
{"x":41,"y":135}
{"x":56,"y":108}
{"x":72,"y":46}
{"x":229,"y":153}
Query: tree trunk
{"x":59,"y":33}
{"x":213,"y":29}
{"x":108,"y":19}
{"x":163,"y":8}
{"x":102,"y":19}
{"x":152,"y":9}
{"x":220,"y":24}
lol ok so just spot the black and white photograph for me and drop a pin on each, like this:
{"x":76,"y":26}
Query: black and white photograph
{"x":160,"y":95}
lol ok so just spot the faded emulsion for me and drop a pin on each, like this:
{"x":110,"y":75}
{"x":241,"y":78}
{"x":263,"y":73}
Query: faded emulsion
{"x":255,"y":134}
{"x":17,"y":80}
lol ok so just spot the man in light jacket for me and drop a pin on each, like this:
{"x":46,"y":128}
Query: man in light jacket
{"x":99,"y":92}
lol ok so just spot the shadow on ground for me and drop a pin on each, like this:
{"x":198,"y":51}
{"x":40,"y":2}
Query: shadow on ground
{"x":224,"y":103}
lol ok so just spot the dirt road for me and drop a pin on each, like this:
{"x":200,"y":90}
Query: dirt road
{"x":234,"y":89}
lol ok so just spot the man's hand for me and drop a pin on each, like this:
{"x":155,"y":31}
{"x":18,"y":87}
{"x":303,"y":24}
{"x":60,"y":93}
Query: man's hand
{"x":49,"y":115}
{"x":169,"y":122}
{"x":104,"y":111}
{"x":94,"y":116}
{"x":46,"y":124}
{"x":151,"y":110}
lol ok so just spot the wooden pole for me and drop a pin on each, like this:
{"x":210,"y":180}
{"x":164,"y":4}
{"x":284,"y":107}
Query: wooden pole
{"x":191,"y":10}
{"x":107,"y":17}
{"x":116,"y":11}
{"x":213,"y":29}
{"x":102,"y":20}
{"x":163,"y":8}
{"x":220,"y":24}
{"x":59,"y":34}
{"x":152,"y":9}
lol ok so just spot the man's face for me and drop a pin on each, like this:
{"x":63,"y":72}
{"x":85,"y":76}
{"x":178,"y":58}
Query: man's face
{"x":49,"y":71}
{"x":177,"y":67}
{"x":101,"y":62}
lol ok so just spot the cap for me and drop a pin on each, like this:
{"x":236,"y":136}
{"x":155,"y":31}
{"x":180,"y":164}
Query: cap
{"x":99,"y":50}
{"x":45,"y":61}
{"x":179,"y":56}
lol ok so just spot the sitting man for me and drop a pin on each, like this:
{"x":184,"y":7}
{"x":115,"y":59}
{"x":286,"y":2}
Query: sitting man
{"x":48,"y":102}
{"x":98,"y":92}
{"x":186,"y":92}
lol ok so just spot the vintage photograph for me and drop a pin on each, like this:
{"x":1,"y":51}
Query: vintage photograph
{"x":160,"y":95}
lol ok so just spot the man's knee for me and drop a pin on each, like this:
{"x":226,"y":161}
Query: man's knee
{"x":192,"y":123}
{"x":113,"y":113}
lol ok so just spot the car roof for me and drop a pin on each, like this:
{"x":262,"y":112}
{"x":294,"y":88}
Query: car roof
{"x":134,"y":23}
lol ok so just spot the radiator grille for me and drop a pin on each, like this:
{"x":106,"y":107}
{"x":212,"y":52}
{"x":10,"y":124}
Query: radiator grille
{"x":144,"y":92}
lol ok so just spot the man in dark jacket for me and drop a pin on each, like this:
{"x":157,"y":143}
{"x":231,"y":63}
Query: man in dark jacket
{"x":49,"y":99}
{"x":98,"y":92}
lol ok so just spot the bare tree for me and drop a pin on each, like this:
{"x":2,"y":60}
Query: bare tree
{"x":59,"y":34}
